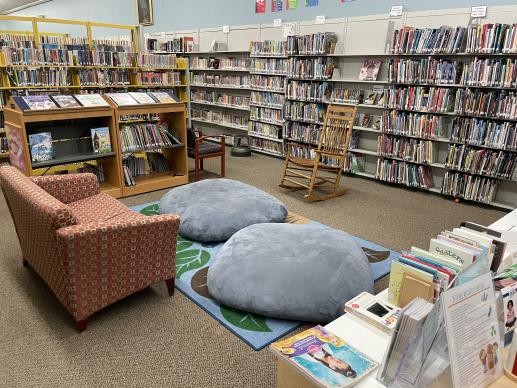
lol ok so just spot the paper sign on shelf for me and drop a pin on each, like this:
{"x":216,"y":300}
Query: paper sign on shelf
{"x":478,"y":11}
{"x":320,"y":19}
{"x":277,"y":23}
{"x":396,"y":11}
{"x":289,"y":29}
{"x":226,"y":29}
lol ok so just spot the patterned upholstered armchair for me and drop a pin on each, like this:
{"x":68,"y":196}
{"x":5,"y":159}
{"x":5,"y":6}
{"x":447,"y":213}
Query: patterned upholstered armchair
{"x":88,"y":247}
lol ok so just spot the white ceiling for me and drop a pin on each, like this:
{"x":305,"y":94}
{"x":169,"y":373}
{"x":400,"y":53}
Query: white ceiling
{"x":6,"y":5}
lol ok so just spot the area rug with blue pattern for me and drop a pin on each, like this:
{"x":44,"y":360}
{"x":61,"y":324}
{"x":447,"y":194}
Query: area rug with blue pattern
{"x":192,"y":262}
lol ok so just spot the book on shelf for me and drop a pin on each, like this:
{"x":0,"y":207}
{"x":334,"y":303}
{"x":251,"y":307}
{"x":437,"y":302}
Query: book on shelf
{"x":65,"y":101}
{"x":370,"y":70}
{"x":376,"y":312}
{"x":324,"y":358}
{"x":91,"y":100}
{"x":40,"y":145}
{"x":122,"y":99}
{"x":36,"y":102}
{"x":164,"y":97}
{"x":101,"y":142}
{"x":142,"y":98}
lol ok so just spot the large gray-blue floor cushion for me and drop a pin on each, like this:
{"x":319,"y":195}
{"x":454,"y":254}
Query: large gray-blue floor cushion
{"x":290,"y":271}
{"x":214,"y":209}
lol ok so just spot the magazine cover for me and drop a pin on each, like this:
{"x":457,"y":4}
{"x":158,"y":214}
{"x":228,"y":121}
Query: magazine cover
{"x":101,"y":140}
{"x":142,"y":98}
{"x":66,"y":101}
{"x":370,"y":70}
{"x":163,"y":97}
{"x":325,"y":357}
{"x":89,"y":100}
{"x":41,"y":146}
{"x":509,"y":295}
{"x":39,"y":102}
{"x":122,"y":99}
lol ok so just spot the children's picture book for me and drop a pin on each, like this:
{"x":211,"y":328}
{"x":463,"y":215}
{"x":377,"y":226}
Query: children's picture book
{"x":509,"y":295}
{"x":66,"y":101}
{"x":40,"y":145}
{"x":374,"y":311}
{"x":325,"y":358}
{"x":101,"y":142}
{"x":90,"y":100}
{"x":370,"y":70}
{"x":122,"y":99}
{"x":142,"y":98}
{"x":163,"y":97}
{"x":39,"y":102}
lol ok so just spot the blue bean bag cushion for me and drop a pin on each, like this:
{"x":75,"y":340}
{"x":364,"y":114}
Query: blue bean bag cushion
{"x":288,"y":271}
{"x":214,"y":209}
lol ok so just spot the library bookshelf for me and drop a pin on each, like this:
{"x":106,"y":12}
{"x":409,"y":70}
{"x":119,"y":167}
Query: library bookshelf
{"x":71,"y":140}
{"x":172,"y":118}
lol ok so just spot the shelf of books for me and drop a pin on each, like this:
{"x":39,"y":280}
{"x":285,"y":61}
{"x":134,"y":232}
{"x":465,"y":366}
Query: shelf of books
{"x":219,"y":92}
{"x":268,"y":71}
{"x":62,"y":134}
{"x":152,"y":135}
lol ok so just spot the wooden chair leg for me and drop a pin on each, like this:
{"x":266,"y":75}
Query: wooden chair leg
{"x":170,"y":286}
{"x":81,"y":325}
{"x":25,"y":262}
{"x":201,"y":166}
{"x":313,"y":177}
{"x":196,"y":170}
{"x":223,"y":167}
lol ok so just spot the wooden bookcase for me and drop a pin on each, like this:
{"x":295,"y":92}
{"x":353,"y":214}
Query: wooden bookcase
{"x":70,"y":128}
{"x":174,"y":115}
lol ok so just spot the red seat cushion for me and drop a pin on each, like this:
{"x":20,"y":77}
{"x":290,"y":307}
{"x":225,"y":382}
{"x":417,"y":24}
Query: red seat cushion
{"x":97,"y":208}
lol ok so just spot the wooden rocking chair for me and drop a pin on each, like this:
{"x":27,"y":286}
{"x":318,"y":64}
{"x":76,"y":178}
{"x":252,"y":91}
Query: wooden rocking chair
{"x":329,"y":157}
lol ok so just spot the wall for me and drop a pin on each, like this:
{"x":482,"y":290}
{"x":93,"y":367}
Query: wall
{"x":188,"y":14}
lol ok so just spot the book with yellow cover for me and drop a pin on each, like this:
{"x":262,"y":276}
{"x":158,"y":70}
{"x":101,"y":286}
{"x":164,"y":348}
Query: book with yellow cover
{"x":397,"y":273}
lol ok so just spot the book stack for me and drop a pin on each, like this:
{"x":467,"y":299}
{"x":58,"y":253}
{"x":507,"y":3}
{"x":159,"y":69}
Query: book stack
{"x":138,"y":137}
{"x":411,"y":150}
{"x":268,"y":48}
{"x":272,"y":66}
{"x":404,"y":173}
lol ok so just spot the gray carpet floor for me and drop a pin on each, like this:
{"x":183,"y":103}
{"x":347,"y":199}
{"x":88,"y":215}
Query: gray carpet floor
{"x":149,"y":339}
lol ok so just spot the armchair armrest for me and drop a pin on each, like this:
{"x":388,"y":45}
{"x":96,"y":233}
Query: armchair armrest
{"x":69,"y":187}
{"x":106,"y":261}
{"x":200,"y":139}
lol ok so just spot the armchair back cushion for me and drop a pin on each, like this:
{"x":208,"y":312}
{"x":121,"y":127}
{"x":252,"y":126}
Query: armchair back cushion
{"x":191,"y":139}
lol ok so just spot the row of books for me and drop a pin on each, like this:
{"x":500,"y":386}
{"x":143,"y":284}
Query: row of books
{"x":490,"y":72}
{"x":496,"y":164}
{"x":103,"y":58}
{"x":220,"y":98}
{"x":469,"y":187}
{"x":220,"y":117}
{"x":354,"y":163}
{"x":269,"y":65}
{"x":419,"y":125}
{"x":425,"y":71}
{"x":411,"y":150}
{"x":500,"y":104}
{"x":30,"y":56}
{"x":140,"y":116}
{"x":139,"y":137}
{"x":177,"y":45}
{"x":309,"y":152}
{"x":404,"y":173}
{"x":40,"y":77}
{"x":309,"y":91}
{"x":103,"y":77}
{"x":15,"y":40}
{"x":410,"y":40}
{"x":159,"y":78}
{"x":269,"y":83}
{"x":317,"y":43}
{"x":266,"y":115}
{"x":219,"y":63}
{"x":308,"y":112}
{"x":306,"y":133}
{"x":267,"y":99}
{"x":238,"y":81}
{"x":264,"y":129}
{"x":155,"y":60}
{"x":485,"y":133}
{"x":429,"y":99}
{"x":487,"y":38}
{"x":268,"y":47}
{"x":269,"y":146}
{"x":311,"y":68}
{"x":134,"y":166}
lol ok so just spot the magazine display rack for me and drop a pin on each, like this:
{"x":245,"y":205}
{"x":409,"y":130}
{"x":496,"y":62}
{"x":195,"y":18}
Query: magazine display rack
{"x":171,"y":116}
{"x":72,"y":148}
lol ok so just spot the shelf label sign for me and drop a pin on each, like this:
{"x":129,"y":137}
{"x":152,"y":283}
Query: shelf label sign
{"x":277,"y":23}
{"x":289,"y":29}
{"x":478,"y":11}
{"x":226,"y":29}
{"x":396,"y":11}
{"x":320,"y":19}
